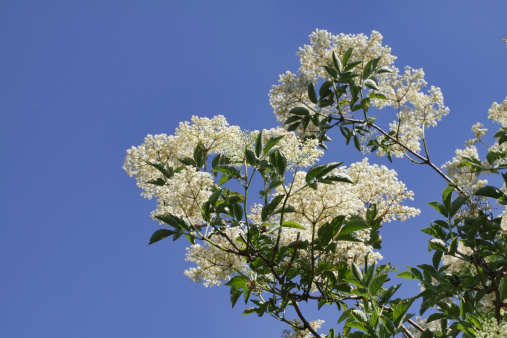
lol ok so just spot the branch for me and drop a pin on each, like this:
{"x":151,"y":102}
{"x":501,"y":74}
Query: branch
{"x":303,"y":319}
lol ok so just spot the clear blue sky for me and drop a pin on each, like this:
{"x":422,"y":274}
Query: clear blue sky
{"x":82,"y":81}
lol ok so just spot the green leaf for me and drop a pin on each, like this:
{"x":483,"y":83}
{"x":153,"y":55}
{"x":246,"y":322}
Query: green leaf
{"x":158,"y":181}
{"x":301,"y":111}
{"x":324,"y":89}
{"x":312,"y":95}
{"x":354,"y":224}
{"x":377,"y":283}
{"x":400,"y":310}
{"x":235,"y":294}
{"x":229,"y":171}
{"x":492,"y":192}
{"x":258,"y":144}
{"x":406,"y":274}
{"x":435,"y":316}
{"x":438,"y":244}
{"x":331,"y":72}
{"x":456,"y":205}
{"x":292,"y":224}
{"x":250,"y":157}
{"x":346,"y":56}
{"x":503,"y":288}
{"x":271,"y":143}
{"x":453,"y":246}
{"x":188,"y":161}
{"x":436,"y":258}
{"x":268,"y":209}
{"x":237,"y":282}
{"x":160,"y":234}
{"x":199,"y":155}
{"x":371,"y":84}
{"x":337,"y":63}
{"x":356,"y":271}
{"x":163,"y":168}
{"x":447,"y":197}
{"x":174,"y":221}
{"x":320,"y":170}
{"x":439,"y":207}
{"x":249,"y":311}
{"x":223,"y":178}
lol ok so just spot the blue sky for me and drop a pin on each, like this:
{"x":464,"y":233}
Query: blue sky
{"x":80,"y":82}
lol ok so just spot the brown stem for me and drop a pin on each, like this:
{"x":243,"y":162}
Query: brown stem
{"x":303,"y":319}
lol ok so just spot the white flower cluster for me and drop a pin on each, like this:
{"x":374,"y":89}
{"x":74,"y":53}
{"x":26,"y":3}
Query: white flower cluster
{"x":415,"y":110}
{"x":295,"y":333}
{"x":492,"y":329}
{"x":184,"y":193}
{"x":373,"y":185}
{"x":379,"y":185}
{"x":463,"y":176}
{"x":188,"y":189}
{"x":479,"y":133}
{"x":215,"y":266}
{"x":292,"y":88}
{"x":457,"y":265}
{"x":498,"y":113}
{"x":297,"y":153}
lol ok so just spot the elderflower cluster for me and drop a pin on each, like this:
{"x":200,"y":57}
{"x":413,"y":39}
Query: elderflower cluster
{"x":458,"y":265}
{"x":291,"y":90}
{"x":379,"y":185}
{"x":297,"y":152}
{"x":185,"y":192}
{"x":215,"y":266}
{"x":498,"y":112}
{"x":416,"y":110}
{"x":463,"y":176}
{"x":297,"y":333}
{"x":492,"y":329}
{"x":373,"y":184}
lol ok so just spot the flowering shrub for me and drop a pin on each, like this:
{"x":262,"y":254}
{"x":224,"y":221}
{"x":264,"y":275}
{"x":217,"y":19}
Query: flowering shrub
{"x":316,"y":234}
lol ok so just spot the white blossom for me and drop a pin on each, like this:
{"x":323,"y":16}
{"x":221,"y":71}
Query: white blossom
{"x":498,"y":112}
{"x":492,"y":329}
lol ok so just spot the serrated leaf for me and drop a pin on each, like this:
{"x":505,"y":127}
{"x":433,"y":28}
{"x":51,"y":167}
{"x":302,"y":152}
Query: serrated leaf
{"x":406,"y":274}
{"x":377,"y":283}
{"x":160,"y":234}
{"x":438,"y":244}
